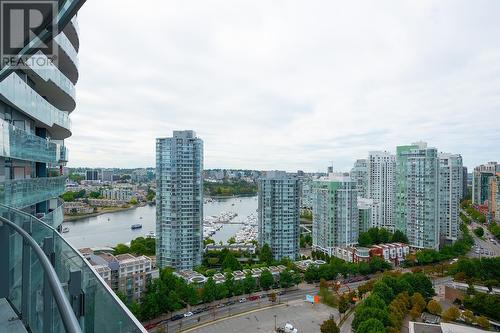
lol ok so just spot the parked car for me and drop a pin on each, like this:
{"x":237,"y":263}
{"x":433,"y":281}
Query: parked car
{"x":253,"y":298}
{"x":242,"y":300}
{"x":221,"y":305}
{"x":230,"y":303}
{"x":177,"y":317}
{"x":188,"y":314}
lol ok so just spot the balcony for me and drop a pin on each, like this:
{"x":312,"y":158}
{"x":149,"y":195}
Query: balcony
{"x":68,"y":57}
{"x":19,"y":144}
{"x":55,"y":217}
{"x":24,"y":98}
{"x":63,"y":294}
{"x":24,"y":192}
{"x":51,"y":82}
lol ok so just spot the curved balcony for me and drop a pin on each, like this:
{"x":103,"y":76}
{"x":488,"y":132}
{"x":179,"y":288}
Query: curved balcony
{"x":19,"y":144}
{"x":72,"y":31}
{"x":25,"y":192}
{"x":92,"y":302}
{"x":55,"y":217}
{"x":51,"y":83}
{"x":19,"y":94}
{"x":68,"y":57}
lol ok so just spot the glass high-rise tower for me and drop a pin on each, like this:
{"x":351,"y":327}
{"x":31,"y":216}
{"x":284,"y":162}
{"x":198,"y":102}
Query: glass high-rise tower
{"x":417,"y":195}
{"x":45,"y":284}
{"x":279,"y":213}
{"x":179,"y":200}
{"x":380,"y":188}
{"x":335,"y":213}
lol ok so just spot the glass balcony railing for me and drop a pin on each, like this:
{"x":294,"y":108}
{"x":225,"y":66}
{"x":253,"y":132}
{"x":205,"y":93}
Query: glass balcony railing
{"x":49,"y":72}
{"x":94,"y":304}
{"x":55,"y":217}
{"x":23,"y":97}
{"x":24,"y":192}
{"x":67,"y":47}
{"x":19,"y":144}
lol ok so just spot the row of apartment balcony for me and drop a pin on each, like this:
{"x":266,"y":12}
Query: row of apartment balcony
{"x":24,"y":192}
{"x":15,"y":90}
{"x":28,"y":279}
{"x":19,"y":144}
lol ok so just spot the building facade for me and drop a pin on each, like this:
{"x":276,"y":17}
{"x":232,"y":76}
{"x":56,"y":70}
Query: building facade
{"x":417,"y":195}
{"x":279,"y":213}
{"x":124,"y":273}
{"x":480,"y":181}
{"x":179,"y":200}
{"x":359,"y":174}
{"x":381,"y":188}
{"x":37,"y":96}
{"x":494,"y":198}
{"x":335,"y":213}
{"x":450,"y":194}
{"x":365,"y":207}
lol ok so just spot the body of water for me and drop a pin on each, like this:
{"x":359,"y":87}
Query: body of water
{"x":113,"y":228}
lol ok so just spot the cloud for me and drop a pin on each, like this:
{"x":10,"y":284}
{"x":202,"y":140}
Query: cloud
{"x":286,"y":84}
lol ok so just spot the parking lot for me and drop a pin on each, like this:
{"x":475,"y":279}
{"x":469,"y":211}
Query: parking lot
{"x":304,"y":316}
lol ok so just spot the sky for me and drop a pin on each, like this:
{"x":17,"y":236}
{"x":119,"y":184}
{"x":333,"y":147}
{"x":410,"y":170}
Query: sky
{"x":286,"y":84}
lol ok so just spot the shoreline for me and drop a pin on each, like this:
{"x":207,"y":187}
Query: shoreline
{"x":230,"y":196}
{"x":72,"y":218}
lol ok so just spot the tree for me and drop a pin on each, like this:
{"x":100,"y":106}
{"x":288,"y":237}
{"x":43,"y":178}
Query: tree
{"x":434,"y":307}
{"x":383,"y":236}
{"x":286,"y":279}
{"x":371,"y":326}
{"x":329,"y":326}
{"x":266,"y":255}
{"x":312,"y":274}
{"x":239,"y":288}
{"x":364,"y":239}
{"x":266,"y":280}
{"x":121,"y":249}
{"x":451,"y":314}
{"x":399,"y":237}
{"x":417,"y":301}
{"x":249,"y":283}
{"x":231,"y":240}
{"x":363,"y":314}
{"x":468,"y":316}
{"x":133,"y":201}
{"x":272,"y":297}
{"x":483,"y":322}
{"x":479,"y":232}
{"x":209,"y":291}
{"x":343,"y":305}
{"x":374,"y":301}
{"x":415,"y":313}
{"x":229,"y":283}
{"x":384,"y":291}
{"x":230,"y":262}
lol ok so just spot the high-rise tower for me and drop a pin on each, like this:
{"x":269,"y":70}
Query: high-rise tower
{"x":179,"y":200}
{"x":279,"y":213}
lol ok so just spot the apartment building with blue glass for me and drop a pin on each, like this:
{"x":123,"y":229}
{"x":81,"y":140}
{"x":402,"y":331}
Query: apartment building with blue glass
{"x":179,"y":200}
{"x":279,"y":213}
{"x":45,"y":284}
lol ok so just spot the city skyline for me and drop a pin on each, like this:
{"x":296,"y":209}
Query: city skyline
{"x":287,"y":86}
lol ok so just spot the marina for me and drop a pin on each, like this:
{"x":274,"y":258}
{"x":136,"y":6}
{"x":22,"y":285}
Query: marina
{"x":245,"y":234}
{"x":112,"y":228}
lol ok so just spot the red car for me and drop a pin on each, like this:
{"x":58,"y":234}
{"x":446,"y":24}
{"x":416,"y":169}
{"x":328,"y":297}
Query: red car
{"x":253,"y":298}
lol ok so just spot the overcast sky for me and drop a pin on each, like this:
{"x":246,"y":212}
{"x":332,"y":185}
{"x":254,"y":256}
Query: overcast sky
{"x":286,"y":84}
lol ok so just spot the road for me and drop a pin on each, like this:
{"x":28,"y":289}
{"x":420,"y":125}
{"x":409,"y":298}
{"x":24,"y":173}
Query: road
{"x":237,"y":308}
{"x":485,"y":243}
